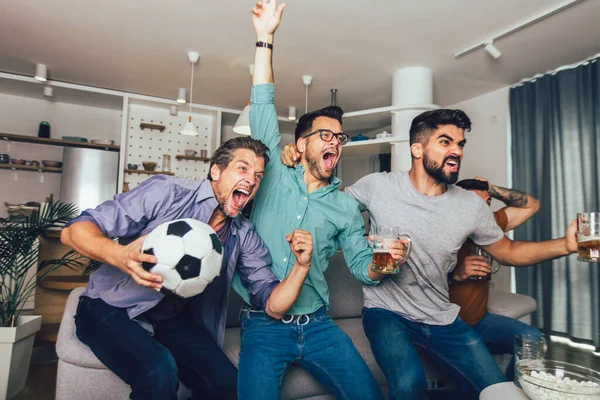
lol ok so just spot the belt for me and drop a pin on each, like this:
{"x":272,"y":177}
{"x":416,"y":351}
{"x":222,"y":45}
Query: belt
{"x":301,"y":319}
{"x":298,"y":319}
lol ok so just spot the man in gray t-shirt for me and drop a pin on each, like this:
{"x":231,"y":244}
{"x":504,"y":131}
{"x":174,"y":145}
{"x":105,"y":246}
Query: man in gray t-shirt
{"x":412,"y":308}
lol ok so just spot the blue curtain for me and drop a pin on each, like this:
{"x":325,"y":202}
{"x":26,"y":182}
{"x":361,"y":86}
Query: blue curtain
{"x":555,"y":124}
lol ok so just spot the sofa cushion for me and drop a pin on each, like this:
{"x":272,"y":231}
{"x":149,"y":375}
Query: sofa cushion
{"x":512,"y":305}
{"x":345,"y":292}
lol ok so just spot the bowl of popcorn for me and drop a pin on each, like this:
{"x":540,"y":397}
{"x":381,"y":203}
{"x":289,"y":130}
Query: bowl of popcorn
{"x":549,"y":380}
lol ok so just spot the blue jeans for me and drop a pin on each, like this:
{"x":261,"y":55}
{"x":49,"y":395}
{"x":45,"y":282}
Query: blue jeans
{"x":153,"y":365}
{"x":455,"y":349}
{"x":498,"y":333}
{"x":269,"y":347}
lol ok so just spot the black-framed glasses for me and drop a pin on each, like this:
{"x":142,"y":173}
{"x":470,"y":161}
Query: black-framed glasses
{"x":327,"y":136}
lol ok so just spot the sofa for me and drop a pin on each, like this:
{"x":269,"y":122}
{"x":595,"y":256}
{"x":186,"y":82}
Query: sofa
{"x":82,"y":376}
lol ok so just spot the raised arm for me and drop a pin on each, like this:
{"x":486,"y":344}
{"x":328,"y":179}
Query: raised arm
{"x":263,"y":116}
{"x":519,"y":208}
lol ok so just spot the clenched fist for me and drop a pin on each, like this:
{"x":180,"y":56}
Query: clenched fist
{"x":301,"y":245}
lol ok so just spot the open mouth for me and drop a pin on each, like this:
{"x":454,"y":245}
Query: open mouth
{"x":453,"y":164}
{"x":329,"y":158}
{"x":239,"y":197}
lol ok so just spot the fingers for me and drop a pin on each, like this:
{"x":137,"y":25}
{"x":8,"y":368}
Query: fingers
{"x":144,"y":278}
{"x":279,"y":10}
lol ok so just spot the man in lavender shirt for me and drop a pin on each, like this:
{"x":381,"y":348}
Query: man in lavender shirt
{"x":150,"y":337}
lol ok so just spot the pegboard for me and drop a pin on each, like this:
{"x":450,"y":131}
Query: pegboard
{"x":151,"y":145}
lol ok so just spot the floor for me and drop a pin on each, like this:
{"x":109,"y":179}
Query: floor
{"x":41,"y":382}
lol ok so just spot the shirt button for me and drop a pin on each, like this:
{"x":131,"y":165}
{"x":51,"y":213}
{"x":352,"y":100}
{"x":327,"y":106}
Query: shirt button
{"x":305,"y":198}
{"x":299,"y":216}
{"x":284,"y":259}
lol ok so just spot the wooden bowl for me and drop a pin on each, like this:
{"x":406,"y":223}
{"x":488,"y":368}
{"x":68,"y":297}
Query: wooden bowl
{"x":149,"y":165}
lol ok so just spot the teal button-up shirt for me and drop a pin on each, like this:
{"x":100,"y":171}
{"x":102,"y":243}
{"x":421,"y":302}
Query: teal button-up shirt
{"x":282,"y":204}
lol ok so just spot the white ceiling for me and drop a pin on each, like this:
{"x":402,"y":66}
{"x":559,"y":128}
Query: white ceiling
{"x":355,"y":46}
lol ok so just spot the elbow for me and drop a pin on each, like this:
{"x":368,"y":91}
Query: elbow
{"x":271,"y":312}
{"x":65,"y":236}
{"x":535,"y":204}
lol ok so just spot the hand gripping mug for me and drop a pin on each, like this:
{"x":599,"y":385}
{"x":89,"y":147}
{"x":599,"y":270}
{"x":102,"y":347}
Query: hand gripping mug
{"x":383,"y":262}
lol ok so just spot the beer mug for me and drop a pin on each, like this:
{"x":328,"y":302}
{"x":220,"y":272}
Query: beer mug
{"x":478,"y":251}
{"x":588,"y":237}
{"x":383,"y":262}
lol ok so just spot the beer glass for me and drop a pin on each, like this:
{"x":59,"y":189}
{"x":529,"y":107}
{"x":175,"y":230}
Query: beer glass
{"x":478,"y":251}
{"x":588,"y":237}
{"x":383,"y":262}
{"x":528,"y":348}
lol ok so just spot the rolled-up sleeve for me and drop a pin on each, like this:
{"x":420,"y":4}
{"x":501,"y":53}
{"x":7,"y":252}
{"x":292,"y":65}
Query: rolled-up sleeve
{"x":129,"y":212}
{"x":254,"y":269}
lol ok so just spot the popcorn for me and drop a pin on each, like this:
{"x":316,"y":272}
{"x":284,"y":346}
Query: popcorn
{"x":557,"y":387}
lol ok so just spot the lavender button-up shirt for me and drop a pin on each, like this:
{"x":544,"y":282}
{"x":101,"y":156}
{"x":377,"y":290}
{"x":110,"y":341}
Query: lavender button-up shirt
{"x":161,"y":199}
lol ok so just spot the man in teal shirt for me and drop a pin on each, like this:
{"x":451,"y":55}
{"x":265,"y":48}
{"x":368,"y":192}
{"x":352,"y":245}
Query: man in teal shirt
{"x":305,"y":197}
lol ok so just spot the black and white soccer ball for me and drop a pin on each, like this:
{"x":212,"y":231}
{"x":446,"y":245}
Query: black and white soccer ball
{"x":189,"y":255}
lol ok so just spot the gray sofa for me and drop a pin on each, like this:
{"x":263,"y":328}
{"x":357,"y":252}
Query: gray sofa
{"x":82,"y":376}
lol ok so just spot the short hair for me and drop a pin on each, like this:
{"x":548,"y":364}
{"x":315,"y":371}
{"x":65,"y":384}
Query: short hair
{"x":473,"y":184}
{"x":425,"y":123}
{"x":224,"y":153}
{"x":305,"y":122}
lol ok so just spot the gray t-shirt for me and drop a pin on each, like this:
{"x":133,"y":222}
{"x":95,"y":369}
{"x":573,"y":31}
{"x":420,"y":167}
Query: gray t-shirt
{"x":438,"y":226}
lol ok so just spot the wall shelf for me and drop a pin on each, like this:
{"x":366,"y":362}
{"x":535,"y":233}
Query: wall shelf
{"x":57,"y":142}
{"x":146,"y":125}
{"x":368,"y":147}
{"x":30,"y":168}
{"x":193,"y":158}
{"x":142,"y":171}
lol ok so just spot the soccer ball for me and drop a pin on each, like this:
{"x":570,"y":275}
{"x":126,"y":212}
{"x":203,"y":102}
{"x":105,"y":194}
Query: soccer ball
{"x":189,"y":255}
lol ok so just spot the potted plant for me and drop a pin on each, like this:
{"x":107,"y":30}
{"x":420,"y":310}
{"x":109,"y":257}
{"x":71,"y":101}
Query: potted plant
{"x":19,"y":252}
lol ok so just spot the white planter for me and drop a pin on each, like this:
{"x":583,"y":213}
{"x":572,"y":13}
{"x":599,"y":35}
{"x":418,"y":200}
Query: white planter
{"x":15,"y":354}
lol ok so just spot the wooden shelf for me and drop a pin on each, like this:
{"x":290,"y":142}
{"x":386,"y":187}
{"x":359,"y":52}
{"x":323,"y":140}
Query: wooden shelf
{"x":146,"y":125}
{"x":64,"y":282}
{"x":57,"y":142}
{"x":193,"y":158}
{"x":30,"y":168}
{"x":142,"y":171}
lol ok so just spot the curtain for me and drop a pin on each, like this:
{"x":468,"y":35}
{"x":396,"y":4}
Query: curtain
{"x":555,"y":124}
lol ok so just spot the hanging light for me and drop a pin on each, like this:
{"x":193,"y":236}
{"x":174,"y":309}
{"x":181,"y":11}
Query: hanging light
{"x":190,"y":129}
{"x":41,"y":72}
{"x":242,"y":125}
{"x":307,"y":80}
{"x":181,"y":96}
{"x":292,"y":113}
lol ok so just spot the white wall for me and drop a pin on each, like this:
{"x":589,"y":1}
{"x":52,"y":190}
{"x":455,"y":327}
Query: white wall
{"x":486,"y":153}
{"x":286,"y":137}
{"x":22,"y":115}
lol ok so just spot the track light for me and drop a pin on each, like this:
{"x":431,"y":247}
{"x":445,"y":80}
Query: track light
{"x":48,"y":91}
{"x":181,"y":96}
{"x":41,"y":72}
{"x":492,"y":50}
{"x":292,"y":113}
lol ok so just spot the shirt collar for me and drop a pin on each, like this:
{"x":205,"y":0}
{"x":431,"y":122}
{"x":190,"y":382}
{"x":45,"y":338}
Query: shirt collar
{"x":205,"y":192}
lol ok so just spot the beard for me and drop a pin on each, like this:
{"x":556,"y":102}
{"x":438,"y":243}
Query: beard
{"x":436,"y":171}
{"x":314,"y":166}
{"x":221,"y":202}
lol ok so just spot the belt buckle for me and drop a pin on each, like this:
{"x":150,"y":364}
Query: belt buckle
{"x":300,"y":317}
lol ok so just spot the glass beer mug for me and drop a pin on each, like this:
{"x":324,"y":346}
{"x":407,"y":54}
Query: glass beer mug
{"x":383,"y":262}
{"x":588,"y":237}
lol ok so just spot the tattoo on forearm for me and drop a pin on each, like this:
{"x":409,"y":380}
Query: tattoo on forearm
{"x":510,"y":197}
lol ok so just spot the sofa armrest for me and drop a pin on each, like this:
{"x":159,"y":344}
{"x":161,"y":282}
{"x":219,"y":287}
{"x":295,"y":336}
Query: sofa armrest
{"x":512,"y":305}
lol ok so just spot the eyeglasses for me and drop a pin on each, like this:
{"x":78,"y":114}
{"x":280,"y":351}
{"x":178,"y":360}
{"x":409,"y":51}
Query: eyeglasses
{"x":327,"y":136}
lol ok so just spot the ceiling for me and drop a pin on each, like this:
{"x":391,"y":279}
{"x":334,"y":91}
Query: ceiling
{"x":355,"y":46}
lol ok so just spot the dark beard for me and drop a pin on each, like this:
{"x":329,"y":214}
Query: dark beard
{"x":315,"y":167}
{"x":437,"y":171}
{"x":221,"y":204}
